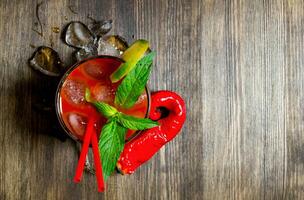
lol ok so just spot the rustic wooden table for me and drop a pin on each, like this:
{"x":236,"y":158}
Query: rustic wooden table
{"x":238,"y":64}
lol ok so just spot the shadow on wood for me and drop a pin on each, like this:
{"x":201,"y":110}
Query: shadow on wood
{"x":42,"y":115}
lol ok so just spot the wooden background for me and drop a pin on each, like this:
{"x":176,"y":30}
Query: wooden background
{"x":238,"y":64}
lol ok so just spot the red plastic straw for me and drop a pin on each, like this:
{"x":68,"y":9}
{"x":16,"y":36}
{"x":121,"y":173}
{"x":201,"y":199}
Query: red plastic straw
{"x":98,"y":168}
{"x":84,"y":150}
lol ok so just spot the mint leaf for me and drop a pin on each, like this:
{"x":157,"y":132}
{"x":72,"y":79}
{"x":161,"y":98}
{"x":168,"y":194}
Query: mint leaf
{"x":135,"y":123}
{"x":105,"y":109}
{"x":111,"y":144}
{"x":134,"y":83}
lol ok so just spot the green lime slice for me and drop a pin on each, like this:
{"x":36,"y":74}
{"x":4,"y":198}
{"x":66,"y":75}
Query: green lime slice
{"x":131,"y":56}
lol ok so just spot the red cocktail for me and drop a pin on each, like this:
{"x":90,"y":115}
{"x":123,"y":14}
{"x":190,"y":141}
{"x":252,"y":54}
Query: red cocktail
{"x":72,"y":109}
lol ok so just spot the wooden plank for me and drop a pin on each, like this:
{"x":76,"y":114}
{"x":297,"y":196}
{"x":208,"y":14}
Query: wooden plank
{"x":238,"y":64}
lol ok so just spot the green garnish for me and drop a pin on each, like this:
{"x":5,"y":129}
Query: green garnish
{"x":112,"y":139}
{"x":134,"y":83}
{"x":134,"y":123}
{"x":137,"y":70}
{"x":111,"y":144}
{"x":124,"y":120}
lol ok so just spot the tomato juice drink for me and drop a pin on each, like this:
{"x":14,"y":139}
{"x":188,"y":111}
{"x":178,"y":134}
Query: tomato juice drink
{"x":72,"y":109}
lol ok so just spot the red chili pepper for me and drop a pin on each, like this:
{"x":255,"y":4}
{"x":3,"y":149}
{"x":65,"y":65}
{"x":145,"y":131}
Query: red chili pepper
{"x":144,"y":146}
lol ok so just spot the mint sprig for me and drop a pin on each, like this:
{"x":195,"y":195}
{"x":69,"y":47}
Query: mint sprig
{"x":134,"y":83}
{"x":127,"y":121}
{"x":112,"y":139}
{"x":111,"y":144}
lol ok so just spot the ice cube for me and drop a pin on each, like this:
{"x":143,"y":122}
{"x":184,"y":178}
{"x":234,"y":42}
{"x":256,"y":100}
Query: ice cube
{"x":46,"y":60}
{"x":74,"y":91}
{"x":117,"y":41}
{"x":86,"y":52}
{"x":78,"y":35}
{"x":100,"y":28}
{"x":78,"y":123}
{"x":104,"y":93}
{"x":105,"y":48}
{"x":95,"y":70}
{"x":82,"y":54}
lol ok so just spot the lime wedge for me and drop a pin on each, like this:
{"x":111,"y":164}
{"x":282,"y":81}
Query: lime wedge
{"x":131,"y":56}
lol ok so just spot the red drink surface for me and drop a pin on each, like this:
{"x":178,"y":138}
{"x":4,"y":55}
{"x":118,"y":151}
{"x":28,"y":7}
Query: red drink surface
{"x":93,"y":74}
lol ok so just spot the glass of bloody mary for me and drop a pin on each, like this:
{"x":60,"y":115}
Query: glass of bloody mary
{"x":94,"y":73}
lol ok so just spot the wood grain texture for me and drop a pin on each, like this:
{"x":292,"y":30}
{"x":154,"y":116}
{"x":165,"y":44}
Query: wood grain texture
{"x":238,"y":64}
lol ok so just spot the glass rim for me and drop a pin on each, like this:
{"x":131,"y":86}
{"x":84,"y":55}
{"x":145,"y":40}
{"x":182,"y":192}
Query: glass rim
{"x":59,"y":86}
